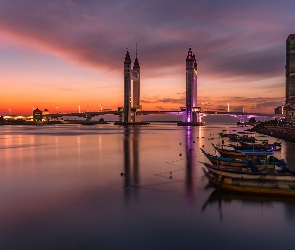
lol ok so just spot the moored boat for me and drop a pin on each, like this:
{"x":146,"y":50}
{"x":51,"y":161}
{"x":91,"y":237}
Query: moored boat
{"x":246,"y":138}
{"x":243,"y":153}
{"x":262,"y":187}
{"x":274,"y":146}
{"x":228,"y":133}
{"x":270,"y":162}
{"x":283,"y":174}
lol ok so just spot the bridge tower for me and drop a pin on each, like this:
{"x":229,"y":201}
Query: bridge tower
{"x":127,"y":88}
{"x":135,"y":91}
{"x":128,"y":112}
{"x":191,"y":115}
{"x":136,"y":84}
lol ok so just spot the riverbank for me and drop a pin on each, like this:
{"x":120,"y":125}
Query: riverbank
{"x":280,"y":132}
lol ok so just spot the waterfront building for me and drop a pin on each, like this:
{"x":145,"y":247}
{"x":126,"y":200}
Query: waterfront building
{"x":37,"y":115}
{"x":289,"y":113}
{"x":279,"y":110}
{"x":45,"y":112}
{"x":289,"y":109}
{"x":290,"y":70}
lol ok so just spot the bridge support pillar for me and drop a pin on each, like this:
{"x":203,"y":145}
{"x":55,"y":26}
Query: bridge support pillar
{"x":134,"y":114}
{"x":88,"y":118}
{"x":241,"y":121}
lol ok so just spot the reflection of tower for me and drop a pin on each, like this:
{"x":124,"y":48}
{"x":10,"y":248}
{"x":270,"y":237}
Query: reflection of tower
{"x":126,"y":148}
{"x":131,"y":160}
{"x":190,"y":162}
{"x":135,"y":152}
{"x":127,"y":87}
{"x":191,"y":87}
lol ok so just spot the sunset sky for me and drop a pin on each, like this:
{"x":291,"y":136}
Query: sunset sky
{"x":70,"y":53}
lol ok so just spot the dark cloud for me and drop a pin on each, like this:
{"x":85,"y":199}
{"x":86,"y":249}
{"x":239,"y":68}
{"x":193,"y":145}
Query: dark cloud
{"x":269,"y":104}
{"x":266,"y":62}
{"x":231,"y":37}
{"x":160,"y":108}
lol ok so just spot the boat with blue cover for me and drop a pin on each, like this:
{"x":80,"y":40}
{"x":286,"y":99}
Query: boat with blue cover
{"x":270,"y":161}
{"x":264,"y":144}
{"x":242,"y":153}
{"x":253,"y":173}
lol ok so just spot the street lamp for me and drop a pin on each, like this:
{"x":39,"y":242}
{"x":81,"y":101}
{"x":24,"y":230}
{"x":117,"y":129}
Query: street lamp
{"x":79,"y":108}
{"x":100,"y":107}
{"x":56,"y":109}
{"x":9,"y":111}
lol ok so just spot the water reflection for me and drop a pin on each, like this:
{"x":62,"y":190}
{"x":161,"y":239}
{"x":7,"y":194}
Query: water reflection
{"x":131,"y":160}
{"x":222,"y":198}
{"x":287,"y":153}
{"x":190,"y":162}
{"x":75,"y":198}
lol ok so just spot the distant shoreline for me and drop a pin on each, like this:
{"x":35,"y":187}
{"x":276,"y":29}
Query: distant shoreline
{"x":284,"y":133}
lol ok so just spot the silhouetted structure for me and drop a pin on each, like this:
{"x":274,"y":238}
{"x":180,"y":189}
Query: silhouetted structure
{"x":191,"y":86}
{"x":136,"y":84}
{"x":127,"y":88}
{"x":191,"y":113}
{"x":289,"y":108}
{"x":37,"y":115}
{"x":129,"y":115}
{"x":290,"y":69}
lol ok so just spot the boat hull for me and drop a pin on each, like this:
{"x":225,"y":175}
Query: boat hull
{"x":280,"y":188}
{"x":237,"y":173}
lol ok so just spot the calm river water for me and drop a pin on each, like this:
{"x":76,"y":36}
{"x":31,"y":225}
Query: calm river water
{"x":61,"y":188}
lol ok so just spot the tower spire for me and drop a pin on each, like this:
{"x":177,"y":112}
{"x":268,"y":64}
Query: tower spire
{"x":136,"y":63}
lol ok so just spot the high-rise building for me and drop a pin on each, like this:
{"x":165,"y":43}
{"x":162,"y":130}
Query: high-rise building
{"x":290,"y":69}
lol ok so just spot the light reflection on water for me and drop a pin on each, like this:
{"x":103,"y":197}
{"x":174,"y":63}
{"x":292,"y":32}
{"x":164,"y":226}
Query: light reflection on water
{"x":61,"y":188}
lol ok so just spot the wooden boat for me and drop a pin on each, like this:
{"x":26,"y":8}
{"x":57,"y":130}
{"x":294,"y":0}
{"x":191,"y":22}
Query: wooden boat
{"x":284,"y":174}
{"x":246,"y":148}
{"x":262,"y":187}
{"x":247,"y":139}
{"x":265,"y":144}
{"x":243,"y":153}
{"x":225,"y":134}
{"x":271,"y":161}
{"x":233,"y":137}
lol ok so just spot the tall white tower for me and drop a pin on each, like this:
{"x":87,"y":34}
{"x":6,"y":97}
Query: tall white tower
{"x":191,"y":87}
